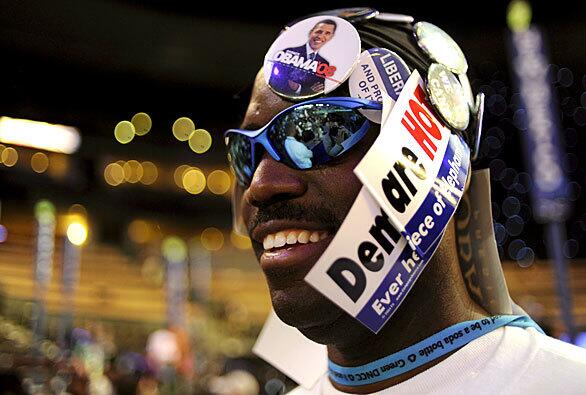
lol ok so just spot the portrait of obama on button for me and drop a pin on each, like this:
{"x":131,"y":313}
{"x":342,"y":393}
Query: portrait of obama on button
{"x":298,"y":71}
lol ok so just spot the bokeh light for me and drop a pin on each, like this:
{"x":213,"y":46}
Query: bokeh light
{"x":511,"y":206}
{"x":139,"y":231}
{"x":58,"y":165}
{"x":200,"y":141}
{"x":571,"y":248}
{"x":3,"y":233}
{"x":519,"y":15}
{"x":150,"y":173}
{"x":133,"y":171}
{"x":194,"y":181}
{"x":515,"y":247}
{"x":565,"y":77}
{"x":45,"y":211}
{"x":174,"y":249}
{"x":77,"y":209}
{"x":218,"y":182}
{"x":114,"y":174}
{"x":9,"y":156}
{"x":39,"y":162}
{"x":514,"y":225}
{"x":142,"y":123}
{"x":124,"y":132}
{"x":525,"y":257}
{"x":500,"y":233}
{"x":77,"y":233}
{"x":182,"y":128}
{"x":212,"y":239}
{"x":178,"y":174}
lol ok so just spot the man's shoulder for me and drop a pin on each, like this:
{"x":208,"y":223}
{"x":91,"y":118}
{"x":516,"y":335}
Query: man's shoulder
{"x":563,"y":352}
{"x":551,"y":364}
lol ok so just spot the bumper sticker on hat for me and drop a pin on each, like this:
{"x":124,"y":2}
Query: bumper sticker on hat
{"x":378,"y":70}
{"x":312,"y":57}
{"x":368,"y":268}
{"x":416,"y":169}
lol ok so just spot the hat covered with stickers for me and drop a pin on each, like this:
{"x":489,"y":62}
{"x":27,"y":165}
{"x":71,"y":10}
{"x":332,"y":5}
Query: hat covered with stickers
{"x":315,"y":55}
{"x":355,"y":66}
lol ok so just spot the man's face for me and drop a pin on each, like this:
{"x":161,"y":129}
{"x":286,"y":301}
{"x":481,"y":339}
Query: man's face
{"x":282,"y":203}
{"x":320,"y":34}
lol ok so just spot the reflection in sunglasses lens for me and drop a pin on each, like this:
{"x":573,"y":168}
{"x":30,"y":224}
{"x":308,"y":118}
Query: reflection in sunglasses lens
{"x":240,"y":152}
{"x":316,"y":133}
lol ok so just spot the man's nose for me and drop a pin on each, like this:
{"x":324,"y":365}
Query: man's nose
{"x":273,"y":182}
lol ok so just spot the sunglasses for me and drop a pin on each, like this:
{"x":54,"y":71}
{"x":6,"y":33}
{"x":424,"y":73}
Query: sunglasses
{"x":302,"y":136}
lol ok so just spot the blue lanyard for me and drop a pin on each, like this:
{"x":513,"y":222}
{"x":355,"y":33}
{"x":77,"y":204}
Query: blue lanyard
{"x":425,"y":351}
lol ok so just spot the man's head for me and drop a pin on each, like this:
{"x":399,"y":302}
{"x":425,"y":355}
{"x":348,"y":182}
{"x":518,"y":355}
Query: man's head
{"x":292,"y":215}
{"x":321,"y":33}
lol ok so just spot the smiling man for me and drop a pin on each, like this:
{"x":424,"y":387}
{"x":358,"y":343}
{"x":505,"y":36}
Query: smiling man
{"x":293,"y":213}
{"x":292,"y":80}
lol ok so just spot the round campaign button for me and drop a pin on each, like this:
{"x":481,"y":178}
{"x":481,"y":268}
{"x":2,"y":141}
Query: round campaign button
{"x":465,"y":82}
{"x":447,"y":95}
{"x":378,"y":70}
{"x":440,"y":47}
{"x":352,"y":14}
{"x":312,"y":57}
{"x":397,"y":18}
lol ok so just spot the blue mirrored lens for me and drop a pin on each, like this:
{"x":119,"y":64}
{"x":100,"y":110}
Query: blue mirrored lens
{"x":315,"y":133}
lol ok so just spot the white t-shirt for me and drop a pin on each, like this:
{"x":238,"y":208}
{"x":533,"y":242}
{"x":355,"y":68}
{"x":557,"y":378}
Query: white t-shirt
{"x":509,"y":360}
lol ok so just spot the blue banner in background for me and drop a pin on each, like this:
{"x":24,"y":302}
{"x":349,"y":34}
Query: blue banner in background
{"x":540,"y":126}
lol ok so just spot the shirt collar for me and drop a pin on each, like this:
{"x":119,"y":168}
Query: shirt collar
{"x":309,"y":50}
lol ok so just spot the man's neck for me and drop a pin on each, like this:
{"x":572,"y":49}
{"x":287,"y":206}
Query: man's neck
{"x":438,"y":300}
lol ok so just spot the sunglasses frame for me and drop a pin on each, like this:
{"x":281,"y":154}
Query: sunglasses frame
{"x":260,"y":136}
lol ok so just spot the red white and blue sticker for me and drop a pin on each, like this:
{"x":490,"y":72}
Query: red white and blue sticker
{"x":368,"y":268}
{"x":379,"y":71}
{"x":416,"y":169}
{"x":312,"y":57}
{"x":413,"y":176}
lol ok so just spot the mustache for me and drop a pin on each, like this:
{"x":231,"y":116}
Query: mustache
{"x":291,"y":211}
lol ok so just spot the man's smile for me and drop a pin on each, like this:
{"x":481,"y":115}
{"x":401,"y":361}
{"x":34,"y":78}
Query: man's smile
{"x":292,"y":236}
{"x":288,"y":244}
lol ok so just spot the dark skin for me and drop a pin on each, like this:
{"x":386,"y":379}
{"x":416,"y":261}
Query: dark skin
{"x":438,"y":299}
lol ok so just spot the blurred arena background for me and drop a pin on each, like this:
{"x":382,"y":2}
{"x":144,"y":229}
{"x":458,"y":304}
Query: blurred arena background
{"x":126,"y":197}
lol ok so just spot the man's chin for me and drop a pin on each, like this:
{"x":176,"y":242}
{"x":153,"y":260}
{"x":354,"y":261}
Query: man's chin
{"x":315,"y":316}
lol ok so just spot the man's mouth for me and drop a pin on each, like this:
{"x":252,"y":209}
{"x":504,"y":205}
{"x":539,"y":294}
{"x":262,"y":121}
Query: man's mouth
{"x":290,"y":237}
{"x":290,"y":248}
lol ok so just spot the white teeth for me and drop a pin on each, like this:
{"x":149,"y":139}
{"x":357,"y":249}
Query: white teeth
{"x":280,"y":239}
{"x":314,"y":237}
{"x":303,"y":237}
{"x":268,"y":242}
{"x":290,"y":237}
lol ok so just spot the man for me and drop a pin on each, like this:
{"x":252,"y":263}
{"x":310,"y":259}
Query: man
{"x":297,"y":151}
{"x":292,"y":81}
{"x":292,"y":215}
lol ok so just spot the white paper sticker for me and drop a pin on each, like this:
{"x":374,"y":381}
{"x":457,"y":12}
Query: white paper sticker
{"x":416,"y":169}
{"x":379,"y":71}
{"x":368,"y":268}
